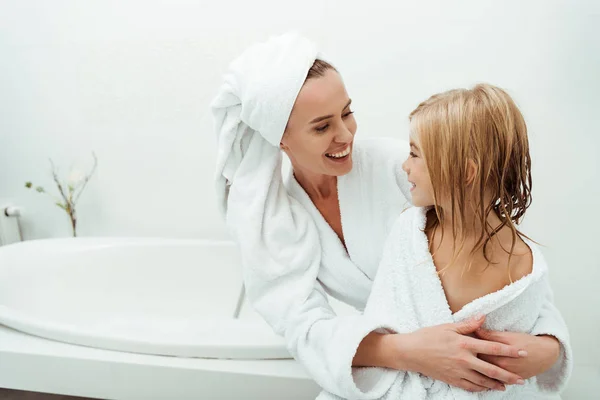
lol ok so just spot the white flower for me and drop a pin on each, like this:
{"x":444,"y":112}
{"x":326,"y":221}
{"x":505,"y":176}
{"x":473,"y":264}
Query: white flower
{"x":75,"y":177}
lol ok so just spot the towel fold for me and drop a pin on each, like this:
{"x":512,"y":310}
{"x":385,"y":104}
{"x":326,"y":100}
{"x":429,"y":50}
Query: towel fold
{"x":275,"y":233}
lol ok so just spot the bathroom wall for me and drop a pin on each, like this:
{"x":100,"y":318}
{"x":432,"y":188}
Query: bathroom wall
{"x":132,"y":81}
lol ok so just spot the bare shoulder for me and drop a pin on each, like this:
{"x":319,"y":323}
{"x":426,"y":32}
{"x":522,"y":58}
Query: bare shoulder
{"x":521,"y":263}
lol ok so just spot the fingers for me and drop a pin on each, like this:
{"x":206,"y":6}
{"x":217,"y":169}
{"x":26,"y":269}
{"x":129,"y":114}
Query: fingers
{"x":494,"y":336}
{"x":507,"y":363}
{"x":493,"y":348}
{"x":469,"y":325}
{"x":494,"y":372}
{"x":470,"y":386}
{"x":485,"y":334}
{"x":483,"y":381}
{"x":492,"y":359}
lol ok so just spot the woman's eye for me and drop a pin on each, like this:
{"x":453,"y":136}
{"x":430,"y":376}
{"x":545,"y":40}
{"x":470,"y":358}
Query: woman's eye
{"x":348,"y":114}
{"x":322,"y":128}
{"x":412,"y":154}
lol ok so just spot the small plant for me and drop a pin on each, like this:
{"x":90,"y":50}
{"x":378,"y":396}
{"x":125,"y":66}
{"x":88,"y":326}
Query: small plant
{"x":69,"y":192}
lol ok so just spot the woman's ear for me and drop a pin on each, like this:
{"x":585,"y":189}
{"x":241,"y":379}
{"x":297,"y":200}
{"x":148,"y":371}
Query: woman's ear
{"x":282,"y":145}
{"x":472,"y":171}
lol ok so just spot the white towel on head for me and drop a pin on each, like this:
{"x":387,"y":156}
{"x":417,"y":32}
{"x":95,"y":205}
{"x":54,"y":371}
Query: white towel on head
{"x":275,"y":233}
{"x":257,"y":96}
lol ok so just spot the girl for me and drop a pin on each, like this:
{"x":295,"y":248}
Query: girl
{"x":458,"y":253}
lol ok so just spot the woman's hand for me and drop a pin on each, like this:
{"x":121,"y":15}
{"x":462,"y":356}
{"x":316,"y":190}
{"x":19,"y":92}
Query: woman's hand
{"x":542,"y":352}
{"x":447,"y":353}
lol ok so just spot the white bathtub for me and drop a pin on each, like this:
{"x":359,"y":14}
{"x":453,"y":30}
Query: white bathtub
{"x":149,"y":296}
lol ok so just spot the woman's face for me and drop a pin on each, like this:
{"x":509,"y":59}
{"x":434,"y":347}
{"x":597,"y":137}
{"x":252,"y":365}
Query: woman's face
{"x":318,"y":138}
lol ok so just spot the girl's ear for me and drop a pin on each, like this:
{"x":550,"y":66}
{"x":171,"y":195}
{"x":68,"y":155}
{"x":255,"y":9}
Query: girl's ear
{"x":472,"y":171}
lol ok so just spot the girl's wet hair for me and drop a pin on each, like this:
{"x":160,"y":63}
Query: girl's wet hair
{"x":484,"y":128}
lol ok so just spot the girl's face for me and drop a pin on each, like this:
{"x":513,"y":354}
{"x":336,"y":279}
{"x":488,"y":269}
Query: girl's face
{"x":418,"y":175}
{"x":321,"y":128}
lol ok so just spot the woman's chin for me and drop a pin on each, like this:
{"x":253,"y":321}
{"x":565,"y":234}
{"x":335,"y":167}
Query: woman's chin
{"x":339,"y":167}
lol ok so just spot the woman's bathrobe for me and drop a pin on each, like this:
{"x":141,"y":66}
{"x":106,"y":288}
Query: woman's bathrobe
{"x":407,"y":295}
{"x":295,"y":304}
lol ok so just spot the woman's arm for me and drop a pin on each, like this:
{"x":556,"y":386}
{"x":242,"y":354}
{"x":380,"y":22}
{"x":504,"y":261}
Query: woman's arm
{"x":442,"y":352}
{"x":324,"y":343}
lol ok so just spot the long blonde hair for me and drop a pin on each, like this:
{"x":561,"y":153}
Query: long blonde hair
{"x":484,"y":127}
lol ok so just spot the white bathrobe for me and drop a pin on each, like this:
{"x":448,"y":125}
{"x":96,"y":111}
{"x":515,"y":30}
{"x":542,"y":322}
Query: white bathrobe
{"x":408,"y":295}
{"x":371,"y":198}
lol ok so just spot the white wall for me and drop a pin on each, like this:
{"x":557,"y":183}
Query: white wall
{"x":132,"y":81}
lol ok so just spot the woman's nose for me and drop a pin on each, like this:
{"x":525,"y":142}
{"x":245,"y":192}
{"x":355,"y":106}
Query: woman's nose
{"x":405,"y":167}
{"x":344,"y":135}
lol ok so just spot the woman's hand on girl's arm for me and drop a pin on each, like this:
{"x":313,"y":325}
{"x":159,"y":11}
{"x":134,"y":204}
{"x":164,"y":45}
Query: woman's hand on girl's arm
{"x":442,"y":352}
{"x":543,"y":352}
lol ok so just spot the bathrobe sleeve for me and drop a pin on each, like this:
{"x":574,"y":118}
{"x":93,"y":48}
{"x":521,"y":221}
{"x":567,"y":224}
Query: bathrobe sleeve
{"x":550,"y":322}
{"x":324,"y":343}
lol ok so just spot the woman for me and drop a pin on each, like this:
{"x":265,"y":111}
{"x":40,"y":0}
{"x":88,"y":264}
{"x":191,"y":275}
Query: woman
{"x":324,"y":231}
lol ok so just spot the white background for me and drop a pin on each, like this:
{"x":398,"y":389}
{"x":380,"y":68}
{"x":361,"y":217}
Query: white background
{"x":132,"y":81}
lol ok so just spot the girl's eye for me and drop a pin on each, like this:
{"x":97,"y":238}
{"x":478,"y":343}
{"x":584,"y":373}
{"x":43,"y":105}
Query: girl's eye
{"x":348,"y":114}
{"x":322,"y":128}
{"x":412,"y":154}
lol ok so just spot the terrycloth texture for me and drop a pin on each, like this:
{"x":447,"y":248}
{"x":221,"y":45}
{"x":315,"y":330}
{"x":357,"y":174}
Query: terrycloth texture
{"x":251,"y":111}
{"x":275,"y":234}
{"x":550,"y":322}
{"x":408,"y":295}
